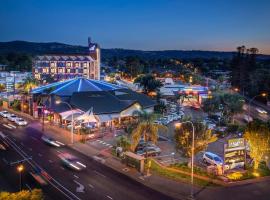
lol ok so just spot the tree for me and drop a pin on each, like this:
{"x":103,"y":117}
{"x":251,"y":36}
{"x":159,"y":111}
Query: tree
{"x":257,"y":135}
{"x":148,"y":83}
{"x":231,"y":104}
{"x":145,"y":129}
{"x":123,"y":142}
{"x":29,"y":84}
{"x":35,"y":194}
{"x":183,"y":138}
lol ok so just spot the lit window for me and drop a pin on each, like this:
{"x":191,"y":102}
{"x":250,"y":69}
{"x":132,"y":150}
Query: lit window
{"x":52,"y":64}
{"x":76,"y":64}
{"x":85,"y":65}
{"x":68,"y":70}
{"x":68,"y":64}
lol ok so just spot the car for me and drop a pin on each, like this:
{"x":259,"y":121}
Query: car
{"x":12,"y":117}
{"x":20,"y":121}
{"x":71,"y":162}
{"x":212,"y":159}
{"x":4,"y":113}
{"x":261,"y":111}
{"x":51,"y":141}
{"x":150,"y":151}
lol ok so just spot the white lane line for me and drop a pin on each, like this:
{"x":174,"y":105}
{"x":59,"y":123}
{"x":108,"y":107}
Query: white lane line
{"x":109,"y":197}
{"x":22,"y":144}
{"x":98,"y":173}
{"x":7,"y":126}
{"x":11,"y":125}
{"x":90,"y":185}
{"x":40,"y":155}
{"x":30,"y":149}
{"x":107,"y":144}
{"x":50,"y":161}
{"x":29,"y":188}
{"x":76,"y":176}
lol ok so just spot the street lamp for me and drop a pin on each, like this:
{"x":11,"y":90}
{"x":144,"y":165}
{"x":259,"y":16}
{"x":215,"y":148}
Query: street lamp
{"x":20,"y":168}
{"x":72,"y":118}
{"x":178,"y":125}
{"x":249,"y":104}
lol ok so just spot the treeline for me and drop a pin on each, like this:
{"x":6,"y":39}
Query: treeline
{"x":17,"y":61}
{"x":248,"y":75}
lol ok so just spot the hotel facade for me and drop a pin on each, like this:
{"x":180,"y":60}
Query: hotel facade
{"x":61,"y":66}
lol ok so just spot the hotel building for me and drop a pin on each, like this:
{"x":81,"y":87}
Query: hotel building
{"x":62,"y":66}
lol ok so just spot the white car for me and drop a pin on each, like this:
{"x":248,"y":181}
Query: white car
{"x":20,"y":121}
{"x":51,"y":141}
{"x":71,"y":162}
{"x":4,"y":113}
{"x":261,"y":111}
{"x":212,"y":159}
{"x":12,"y":117}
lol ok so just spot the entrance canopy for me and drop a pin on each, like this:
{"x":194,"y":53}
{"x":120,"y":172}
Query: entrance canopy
{"x":67,"y":115}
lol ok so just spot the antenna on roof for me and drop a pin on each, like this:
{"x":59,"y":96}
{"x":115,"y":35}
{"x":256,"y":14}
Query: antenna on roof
{"x":89,"y":41}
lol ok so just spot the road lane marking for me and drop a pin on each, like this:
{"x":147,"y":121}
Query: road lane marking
{"x":40,"y":155}
{"x":109,"y":197}
{"x":7,"y":126}
{"x":11,"y":125}
{"x":22,"y":144}
{"x":29,"y":188}
{"x":30,"y":149}
{"x":50,"y":161}
{"x":76,"y":176}
{"x":80,"y":187}
{"x":98,"y":173}
{"x":90,"y":185}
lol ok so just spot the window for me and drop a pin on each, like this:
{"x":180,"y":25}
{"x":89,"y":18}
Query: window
{"x":68,"y":70}
{"x":85,"y":65}
{"x":68,"y":64}
{"x":53,"y":70}
{"x":52,"y":64}
{"x":77,"y":64}
{"x":45,"y":70}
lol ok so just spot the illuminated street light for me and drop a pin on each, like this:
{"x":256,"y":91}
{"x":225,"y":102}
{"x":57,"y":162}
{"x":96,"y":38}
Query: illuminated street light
{"x":20,"y":168}
{"x":178,"y":125}
{"x":58,"y":101}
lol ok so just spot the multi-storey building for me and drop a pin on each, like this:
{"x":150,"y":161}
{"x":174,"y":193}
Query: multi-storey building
{"x":62,"y":66}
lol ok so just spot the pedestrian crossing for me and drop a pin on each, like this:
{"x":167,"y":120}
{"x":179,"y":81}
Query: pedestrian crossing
{"x":104,"y":143}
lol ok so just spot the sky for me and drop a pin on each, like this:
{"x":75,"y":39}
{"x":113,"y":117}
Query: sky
{"x":140,"y":24}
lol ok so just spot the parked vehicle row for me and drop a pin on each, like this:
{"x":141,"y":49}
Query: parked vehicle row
{"x":13,"y":118}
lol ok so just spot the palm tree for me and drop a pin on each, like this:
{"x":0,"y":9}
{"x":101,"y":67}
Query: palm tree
{"x":145,"y":129}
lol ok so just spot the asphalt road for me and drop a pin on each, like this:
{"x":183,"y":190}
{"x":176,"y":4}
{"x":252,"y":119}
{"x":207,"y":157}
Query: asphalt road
{"x":96,"y":182}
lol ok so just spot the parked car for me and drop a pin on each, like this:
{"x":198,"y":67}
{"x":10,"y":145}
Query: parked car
{"x":12,"y":117}
{"x":4,"y":113}
{"x":51,"y":141}
{"x":150,"y":151}
{"x":20,"y":121}
{"x":71,"y":162}
{"x":212,"y":159}
{"x":261,"y":111}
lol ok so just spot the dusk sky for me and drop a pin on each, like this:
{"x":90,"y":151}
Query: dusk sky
{"x":140,"y":24}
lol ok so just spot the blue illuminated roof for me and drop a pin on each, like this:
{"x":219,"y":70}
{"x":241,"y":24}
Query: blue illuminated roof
{"x":68,"y":87}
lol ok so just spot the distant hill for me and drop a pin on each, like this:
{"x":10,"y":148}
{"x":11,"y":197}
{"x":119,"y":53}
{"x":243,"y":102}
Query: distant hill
{"x":59,"y":48}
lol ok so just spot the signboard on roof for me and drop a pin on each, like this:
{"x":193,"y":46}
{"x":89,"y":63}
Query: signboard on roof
{"x":236,"y":142}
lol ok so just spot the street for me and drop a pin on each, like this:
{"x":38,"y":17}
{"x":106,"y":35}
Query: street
{"x":96,"y":182}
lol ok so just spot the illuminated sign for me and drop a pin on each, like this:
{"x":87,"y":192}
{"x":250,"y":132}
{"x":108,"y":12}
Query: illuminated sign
{"x":236,"y":142}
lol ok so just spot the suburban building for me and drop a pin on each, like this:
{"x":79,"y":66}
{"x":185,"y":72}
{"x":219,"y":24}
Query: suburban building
{"x":109,"y":104}
{"x":63,"y":66}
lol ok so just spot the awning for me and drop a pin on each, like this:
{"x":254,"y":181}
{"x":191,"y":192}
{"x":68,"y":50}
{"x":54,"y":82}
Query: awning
{"x":88,"y":116}
{"x":67,"y":115}
{"x":104,"y":118}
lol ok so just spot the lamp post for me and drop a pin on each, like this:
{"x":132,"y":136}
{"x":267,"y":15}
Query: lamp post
{"x":178,"y":125}
{"x":250,"y":101}
{"x":20,"y":168}
{"x":72,"y":118}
